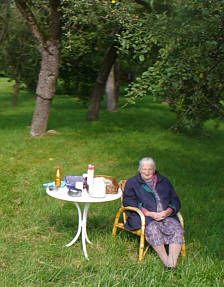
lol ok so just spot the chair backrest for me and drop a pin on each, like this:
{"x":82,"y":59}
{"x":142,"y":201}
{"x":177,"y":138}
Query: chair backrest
{"x":122,"y":186}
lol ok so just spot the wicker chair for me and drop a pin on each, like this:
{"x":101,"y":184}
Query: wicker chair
{"x":139,"y":232}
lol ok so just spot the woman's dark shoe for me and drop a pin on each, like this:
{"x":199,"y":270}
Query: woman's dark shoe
{"x":171,"y":268}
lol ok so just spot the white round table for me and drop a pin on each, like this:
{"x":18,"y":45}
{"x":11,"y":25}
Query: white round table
{"x":62,"y":193}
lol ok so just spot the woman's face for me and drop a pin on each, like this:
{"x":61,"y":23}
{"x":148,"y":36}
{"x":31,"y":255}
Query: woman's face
{"x":147,"y":171}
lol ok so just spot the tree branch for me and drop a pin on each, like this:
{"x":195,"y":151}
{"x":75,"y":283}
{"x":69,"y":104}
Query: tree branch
{"x":5,"y":21}
{"x":55,"y":19}
{"x":30,"y":20}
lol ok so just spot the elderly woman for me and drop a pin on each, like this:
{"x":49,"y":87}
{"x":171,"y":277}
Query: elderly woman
{"x":155,"y":196}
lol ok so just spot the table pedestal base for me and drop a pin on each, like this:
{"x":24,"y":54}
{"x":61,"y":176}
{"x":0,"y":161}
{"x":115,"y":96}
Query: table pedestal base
{"x":82,"y":228}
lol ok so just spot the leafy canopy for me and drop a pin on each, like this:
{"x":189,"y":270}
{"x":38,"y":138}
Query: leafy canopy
{"x":189,"y":69}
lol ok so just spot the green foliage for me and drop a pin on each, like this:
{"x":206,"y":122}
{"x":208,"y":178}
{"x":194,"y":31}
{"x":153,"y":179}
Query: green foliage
{"x":89,"y":27}
{"x":19,"y":57}
{"x":87,"y":33}
{"x":189,"y":69}
{"x":34,"y":227}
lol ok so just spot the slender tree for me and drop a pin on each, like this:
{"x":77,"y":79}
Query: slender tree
{"x":104,"y":19}
{"x":49,"y":38}
{"x":111,"y":91}
{"x":108,"y":62}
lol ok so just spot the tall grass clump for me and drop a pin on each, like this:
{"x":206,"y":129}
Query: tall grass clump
{"x":34,"y":227}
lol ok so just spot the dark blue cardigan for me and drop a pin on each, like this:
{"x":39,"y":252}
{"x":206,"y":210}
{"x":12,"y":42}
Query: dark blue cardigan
{"x":137,"y":194}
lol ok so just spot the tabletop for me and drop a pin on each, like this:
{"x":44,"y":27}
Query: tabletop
{"x":62,"y":193}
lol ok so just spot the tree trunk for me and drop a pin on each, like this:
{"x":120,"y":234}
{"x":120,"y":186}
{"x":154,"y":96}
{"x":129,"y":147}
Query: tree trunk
{"x":108,"y":61}
{"x":46,"y":87}
{"x":16,"y":93}
{"x":111,"y":91}
{"x":50,"y":52}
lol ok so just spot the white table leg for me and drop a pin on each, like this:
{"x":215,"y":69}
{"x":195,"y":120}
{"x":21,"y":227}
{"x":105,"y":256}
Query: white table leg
{"x":82,"y":227}
{"x":84,"y":221}
{"x":79,"y":226}
{"x":84,"y":233}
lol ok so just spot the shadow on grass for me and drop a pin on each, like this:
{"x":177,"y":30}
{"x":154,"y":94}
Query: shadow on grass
{"x":69,"y":113}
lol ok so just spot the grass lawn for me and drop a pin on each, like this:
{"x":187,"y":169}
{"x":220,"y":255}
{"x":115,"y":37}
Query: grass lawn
{"x":34,"y":227}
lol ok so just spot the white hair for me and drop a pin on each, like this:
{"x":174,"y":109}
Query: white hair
{"x":148,"y":160}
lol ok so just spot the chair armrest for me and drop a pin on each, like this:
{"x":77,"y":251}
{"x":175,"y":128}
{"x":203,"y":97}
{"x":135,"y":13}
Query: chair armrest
{"x":135,"y":209}
{"x":129,"y":208}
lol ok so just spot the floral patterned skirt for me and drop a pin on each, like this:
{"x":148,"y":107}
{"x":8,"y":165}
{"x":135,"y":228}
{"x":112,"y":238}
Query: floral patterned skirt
{"x":167,"y":231}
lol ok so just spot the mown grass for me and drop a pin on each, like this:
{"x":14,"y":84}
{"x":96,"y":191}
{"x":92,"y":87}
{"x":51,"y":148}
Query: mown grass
{"x":34,"y":227}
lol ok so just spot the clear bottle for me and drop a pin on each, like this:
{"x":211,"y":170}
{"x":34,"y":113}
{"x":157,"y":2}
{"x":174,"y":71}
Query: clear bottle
{"x":58,"y":177}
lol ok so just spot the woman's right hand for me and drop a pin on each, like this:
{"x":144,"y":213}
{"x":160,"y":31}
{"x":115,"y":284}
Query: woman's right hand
{"x":155,"y":215}
{"x":158,"y":216}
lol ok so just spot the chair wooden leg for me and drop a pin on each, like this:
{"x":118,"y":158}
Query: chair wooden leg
{"x":141,"y":248}
{"x":146,"y":250}
{"x":114,"y":231}
{"x":183,"y":250}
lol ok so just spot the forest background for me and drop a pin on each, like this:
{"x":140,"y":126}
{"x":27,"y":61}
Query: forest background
{"x":109,"y":82}
{"x":171,"y":50}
